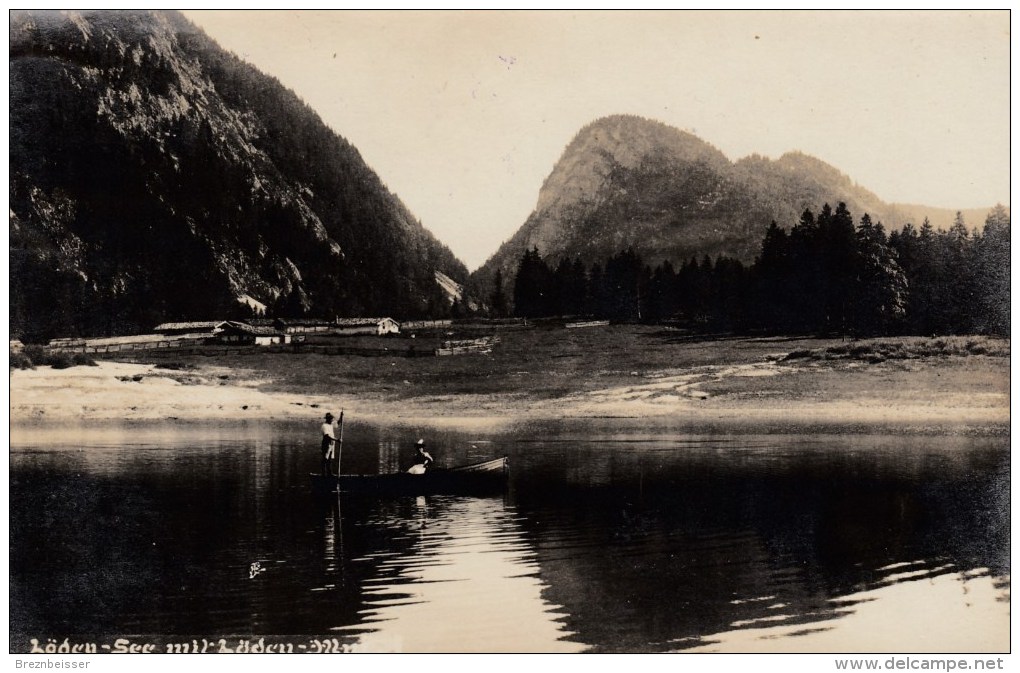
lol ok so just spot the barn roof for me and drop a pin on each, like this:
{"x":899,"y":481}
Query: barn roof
{"x":245,"y":328}
{"x":196,"y":325}
{"x":360,"y":322}
{"x":290,"y":322}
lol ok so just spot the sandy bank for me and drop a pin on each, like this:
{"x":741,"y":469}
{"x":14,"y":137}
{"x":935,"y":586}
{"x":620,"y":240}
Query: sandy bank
{"x":123,"y":391}
{"x":964,"y":397}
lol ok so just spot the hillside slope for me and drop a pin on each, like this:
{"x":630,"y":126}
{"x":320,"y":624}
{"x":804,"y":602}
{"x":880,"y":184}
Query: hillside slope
{"x":629,"y":182}
{"x":156,"y":177}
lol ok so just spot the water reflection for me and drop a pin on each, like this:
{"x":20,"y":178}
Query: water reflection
{"x":389,"y":456}
{"x":948,"y":612}
{"x":655,"y":549}
{"x":602,"y":543}
{"x":460,"y":578}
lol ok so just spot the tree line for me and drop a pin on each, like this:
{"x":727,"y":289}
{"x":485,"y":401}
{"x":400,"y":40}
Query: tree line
{"x":826,"y":275}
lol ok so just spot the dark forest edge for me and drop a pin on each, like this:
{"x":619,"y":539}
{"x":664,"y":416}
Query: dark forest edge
{"x":825,"y":276}
{"x":167,"y":180}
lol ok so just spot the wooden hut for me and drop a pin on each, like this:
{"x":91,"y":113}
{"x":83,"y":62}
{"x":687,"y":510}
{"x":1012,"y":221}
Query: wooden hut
{"x":233,"y":332}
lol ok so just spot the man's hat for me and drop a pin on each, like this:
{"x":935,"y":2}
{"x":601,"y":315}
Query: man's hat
{"x":329,"y":416}
{"x":421,"y":442}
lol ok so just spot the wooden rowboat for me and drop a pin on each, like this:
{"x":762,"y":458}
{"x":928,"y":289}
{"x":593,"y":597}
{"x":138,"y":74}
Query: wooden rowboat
{"x":476,"y":478}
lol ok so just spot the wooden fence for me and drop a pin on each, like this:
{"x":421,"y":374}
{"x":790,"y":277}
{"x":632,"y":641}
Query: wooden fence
{"x":587,"y":323}
{"x":321,"y":349}
{"x":465,"y":346}
{"x":119,"y":345}
{"x":425,"y":324}
{"x":166,"y":348}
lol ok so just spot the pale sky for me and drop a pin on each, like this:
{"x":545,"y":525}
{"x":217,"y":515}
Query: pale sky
{"x":463,"y":114}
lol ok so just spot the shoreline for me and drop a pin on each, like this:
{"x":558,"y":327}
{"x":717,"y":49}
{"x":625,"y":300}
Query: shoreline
{"x":749,"y":398}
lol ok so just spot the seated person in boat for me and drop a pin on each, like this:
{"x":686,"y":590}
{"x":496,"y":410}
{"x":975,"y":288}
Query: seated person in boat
{"x":422,"y":459}
{"x":328,"y":442}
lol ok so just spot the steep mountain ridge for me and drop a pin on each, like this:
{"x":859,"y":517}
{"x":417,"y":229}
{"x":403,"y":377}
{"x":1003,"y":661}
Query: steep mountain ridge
{"x":622,"y":140}
{"x":156,"y":177}
{"x":592,"y":164}
{"x":629,"y":182}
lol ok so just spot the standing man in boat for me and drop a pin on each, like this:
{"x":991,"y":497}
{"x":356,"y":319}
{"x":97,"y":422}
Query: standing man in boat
{"x":328,"y":442}
{"x":422,"y":459}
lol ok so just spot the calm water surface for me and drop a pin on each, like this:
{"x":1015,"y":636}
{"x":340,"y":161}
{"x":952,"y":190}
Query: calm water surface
{"x":605,"y":541}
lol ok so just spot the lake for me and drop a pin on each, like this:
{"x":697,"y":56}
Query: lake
{"x":609,"y":538}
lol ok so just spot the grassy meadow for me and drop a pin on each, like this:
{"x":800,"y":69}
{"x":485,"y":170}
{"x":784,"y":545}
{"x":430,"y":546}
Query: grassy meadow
{"x":652,"y":375}
{"x":543,"y":362}
{"x":642,"y":371}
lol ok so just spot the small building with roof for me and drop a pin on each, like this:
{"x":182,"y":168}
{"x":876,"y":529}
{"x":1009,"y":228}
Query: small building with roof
{"x":239,"y":333}
{"x":293,"y":325}
{"x":377,"y":326}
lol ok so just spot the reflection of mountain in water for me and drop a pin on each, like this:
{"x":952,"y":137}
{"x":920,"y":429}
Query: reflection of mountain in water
{"x":728,"y":543}
{"x":652,"y":550}
{"x":455,"y":576}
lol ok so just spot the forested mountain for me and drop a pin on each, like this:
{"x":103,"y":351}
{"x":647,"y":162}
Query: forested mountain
{"x":154,"y":177}
{"x":828,"y":273}
{"x":625,"y":182}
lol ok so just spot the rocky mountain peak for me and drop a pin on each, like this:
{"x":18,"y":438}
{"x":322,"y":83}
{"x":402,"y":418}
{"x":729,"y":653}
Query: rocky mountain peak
{"x":628,"y":182}
{"x":617,"y":141}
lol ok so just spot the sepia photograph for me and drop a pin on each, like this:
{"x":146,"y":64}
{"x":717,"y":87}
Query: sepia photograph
{"x":478,"y":331}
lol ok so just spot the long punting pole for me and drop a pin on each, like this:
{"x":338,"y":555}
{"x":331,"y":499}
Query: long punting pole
{"x":339,"y":448}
